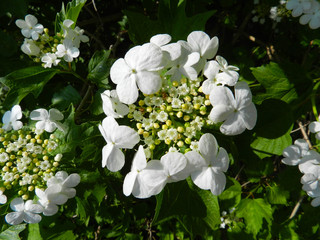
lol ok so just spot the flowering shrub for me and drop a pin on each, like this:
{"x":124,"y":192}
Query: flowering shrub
{"x":159,"y":120}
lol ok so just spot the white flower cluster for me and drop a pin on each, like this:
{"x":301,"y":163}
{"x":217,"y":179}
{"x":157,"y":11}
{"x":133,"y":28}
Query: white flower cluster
{"x":47,"y":49}
{"x":59,"y":189}
{"x":29,"y":163}
{"x":308,"y":162}
{"x":308,"y":10}
{"x":172,"y":93}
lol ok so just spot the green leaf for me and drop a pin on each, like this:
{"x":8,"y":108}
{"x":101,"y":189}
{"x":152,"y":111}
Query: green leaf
{"x":231,"y":196}
{"x":276,"y":195}
{"x":65,"y":97}
{"x":288,"y":232}
{"x":70,"y":12}
{"x":12,"y":233}
{"x":34,"y":232}
{"x":81,"y":211}
{"x":99,"y":192}
{"x":99,"y":67}
{"x":67,"y":235}
{"x":25,"y":81}
{"x":272,"y":132}
{"x":172,"y":19}
{"x":254,"y":211}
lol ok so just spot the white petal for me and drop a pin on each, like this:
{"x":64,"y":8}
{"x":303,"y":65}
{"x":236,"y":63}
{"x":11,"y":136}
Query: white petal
{"x":211,"y":48}
{"x":3,"y":199}
{"x":139,"y":161}
{"x":207,"y":86}
{"x":243,"y":94}
{"x":69,"y":192}
{"x":174,"y":163}
{"x":14,"y":218}
{"x":160,"y":39}
{"x":314,"y":127}
{"x":129,"y":182}
{"x":21,"y":23}
{"x":208,"y":147}
{"x":229,"y":78}
{"x":125,"y":137}
{"x":50,"y":210}
{"x":211,"y":69}
{"x":141,"y":190}
{"x":120,"y":71}
{"x":106,"y":151}
{"x":154,"y":174}
{"x":198,"y":40}
{"x":17,"y":205}
{"x":315,"y":202}
{"x":115,"y":161}
{"x":39,"y":114}
{"x":16,"y":125}
{"x":221,"y":162}
{"x":57,"y":198}
{"x":220,"y":113}
{"x":55,"y":115}
{"x":48,"y":127}
{"x":234,"y":125}
{"x":304,"y":19}
{"x":71,"y":181}
{"x":174,"y":50}
{"x":68,"y":23}
{"x":222,"y":96}
{"x":149,"y":58}
{"x":16,"y":112}
{"x":31,"y":207}
{"x":109,"y":124}
{"x":196,"y":160}
{"x":249,"y":116}
{"x":149,"y":82}
{"x":127,"y":90}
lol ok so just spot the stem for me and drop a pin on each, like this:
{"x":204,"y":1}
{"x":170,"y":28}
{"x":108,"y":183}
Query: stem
{"x":304,"y":134}
{"x":83,"y":101}
{"x":313,"y":100}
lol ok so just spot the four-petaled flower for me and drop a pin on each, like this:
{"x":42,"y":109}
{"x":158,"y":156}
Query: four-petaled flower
{"x":47,"y":120}
{"x":112,"y":106}
{"x":10,"y":119}
{"x":67,"y":51}
{"x":30,"y":28}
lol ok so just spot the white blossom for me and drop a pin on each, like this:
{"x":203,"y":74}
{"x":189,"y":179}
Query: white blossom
{"x":10,"y":119}
{"x":298,"y":7}
{"x":112,"y":106}
{"x":30,"y":48}
{"x":314,"y":127}
{"x":67,"y":51}
{"x":116,"y":137}
{"x":47,"y":120}
{"x":23,"y":211}
{"x":312,"y":16}
{"x":237,"y":113}
{"x":30,"y":28}
{"x":3,"y":198}
{"x":50,"y":59}
{"x":49,"y":208}
{"x":209,"y":166}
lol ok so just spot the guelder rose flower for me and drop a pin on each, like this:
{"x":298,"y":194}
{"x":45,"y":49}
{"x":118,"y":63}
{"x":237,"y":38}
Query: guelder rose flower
{"x":67,"y":51}
{"x":47,"y":120}
{"x":298,"y":6}
{"x":49,"y":59}
{"x":23,"y":212}
{"x":116,"y":137}
{"x":112,"y":106}
{"x":10,"y":119}
{"x":312,"y":16}
{"x":133,"y":183}
{"x":210,"y":165}
{"x":3,"y":198}
{"x":237,"y":113}
{"x":138,"y":69}
{"x":75,"y":35}
{"x":30,"y":48}
{"x":49,"y":208}
{"x":314,"y":127}
{"x":30,"y":28}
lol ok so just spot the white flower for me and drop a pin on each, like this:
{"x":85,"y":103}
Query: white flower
{"x":49,"y":59}
{"x":30,"y":48}
{"x":162,"y":134}
{"x":61,"y":187}
{"x":112,"y":106}
{"x":75,"y":35}
{"x":133,"y":182}
{"x":172,"y":134}
{"x":208,"y":167}
{"x":299,"y":154}
{"x":116,"y":137}
{"x":3,"y":198}
{"x":228,"y":76}
{"x":238,"y":113}
{"x":147,"y":123}
{"x":314,"y":127}
{"x":23,"y":212}
{"x":4,"y":157}
{"x":176,"y":103}
{"x":162,"y":116}
{"x":298,"y":6}
{"x":30,"y":28}
{"x":47,"y":120}
{"x":201,"y":43}
{"x":137,"y":115}
{"x":311,"y":184}
{"x":49,"y":208}
{"x":312,"y":16}
{"x":138,"y":69}
{"x":170,"y":168}
{"x":67,"y":51}
{"x":10,"y":119}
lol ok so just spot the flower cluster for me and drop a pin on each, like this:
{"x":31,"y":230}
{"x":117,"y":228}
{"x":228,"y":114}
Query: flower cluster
{"x":173,"y":94}
{"x":308,"y":162}
{"x":308,"y":10}
{"x":29,"y":162}
{"x":50,"y":50}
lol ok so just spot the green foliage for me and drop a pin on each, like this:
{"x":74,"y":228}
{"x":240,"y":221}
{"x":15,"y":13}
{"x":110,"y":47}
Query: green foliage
{"x":12,"y":233}
{"x":65,"y":97}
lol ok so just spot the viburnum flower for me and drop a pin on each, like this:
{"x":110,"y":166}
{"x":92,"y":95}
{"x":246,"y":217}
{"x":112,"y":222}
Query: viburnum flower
{"x":67,"y":51}
{"x":298,"y":6}
{"x":116,"y":137}
{"x":138,"y":69}
{"x":50,"y":59}
{"x":61,"y":187}
{"x":314,"y":127}
{"x":30,"y":48}
{"x":112,"y":106}
{"x":10,"y":119}
{"x":30,"y":28}
{"x":49,"y":208}
{"x":75,"y":35}
{"x":200,"y":42}
{"x":299,"y":154}
{"x":47,"y":120}
{"x":3,"y":198}
{"x":312,"y":16}
{"x":209,"y":166}
{"x":237,"y":113}
{"x":229,"y":75}
{"x":133,"y":183}
{"x":24,"y":211}
{"x":172,"y":167}
{"x":311,"y":184}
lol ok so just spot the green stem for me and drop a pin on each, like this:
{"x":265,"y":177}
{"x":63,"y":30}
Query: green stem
{"x":313,"y":101}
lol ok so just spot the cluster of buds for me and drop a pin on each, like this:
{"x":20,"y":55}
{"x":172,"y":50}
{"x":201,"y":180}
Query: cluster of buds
{"x":50,"y":50}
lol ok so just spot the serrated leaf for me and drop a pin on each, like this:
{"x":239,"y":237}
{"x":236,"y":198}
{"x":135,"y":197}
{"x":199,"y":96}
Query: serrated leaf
{"x":254,"y":211}
{"x":12,"y":233}
{"x":25,"y":81}
{"x":34,"y":232}
{"x":99,"y":68}
{"x":65,"y":97}
{"x":276,"y":195}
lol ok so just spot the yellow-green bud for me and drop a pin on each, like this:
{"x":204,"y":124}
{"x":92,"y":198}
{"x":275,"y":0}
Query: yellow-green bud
{"x":167,"y":141}
{"x":140,"y":131}
{"x":139,"y":125}
{"x":168,"y":122}
{"x":145,"y":134}
{"x":187,"y":98}
{"x":152,"y":147}
{"x":187,"y":141}
{"x":207,"y":102}
{"x":149,"y":109}
{"x":179,"y":114}
{"x":25,"y":197}
{"x":141,"y":103}
{"x":30,"y":188}
{"x":186,"y":117}
{"x":175,"y":83}
{"x":180,"y":144}
{"x":164,"y":126}
{"x":156,"y":125}
{"x":180,"y":129}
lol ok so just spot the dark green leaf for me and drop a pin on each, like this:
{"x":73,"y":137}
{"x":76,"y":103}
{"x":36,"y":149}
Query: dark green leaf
{"x":65,"y":97}
{"x":12,"y":233}
{"x":254,"y":211}
{"x":99,"y":192}
{"x":277,"y":195}
{"x":99,"y":68}
{"x":67,"y":235}
{"x":25,"y":81}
